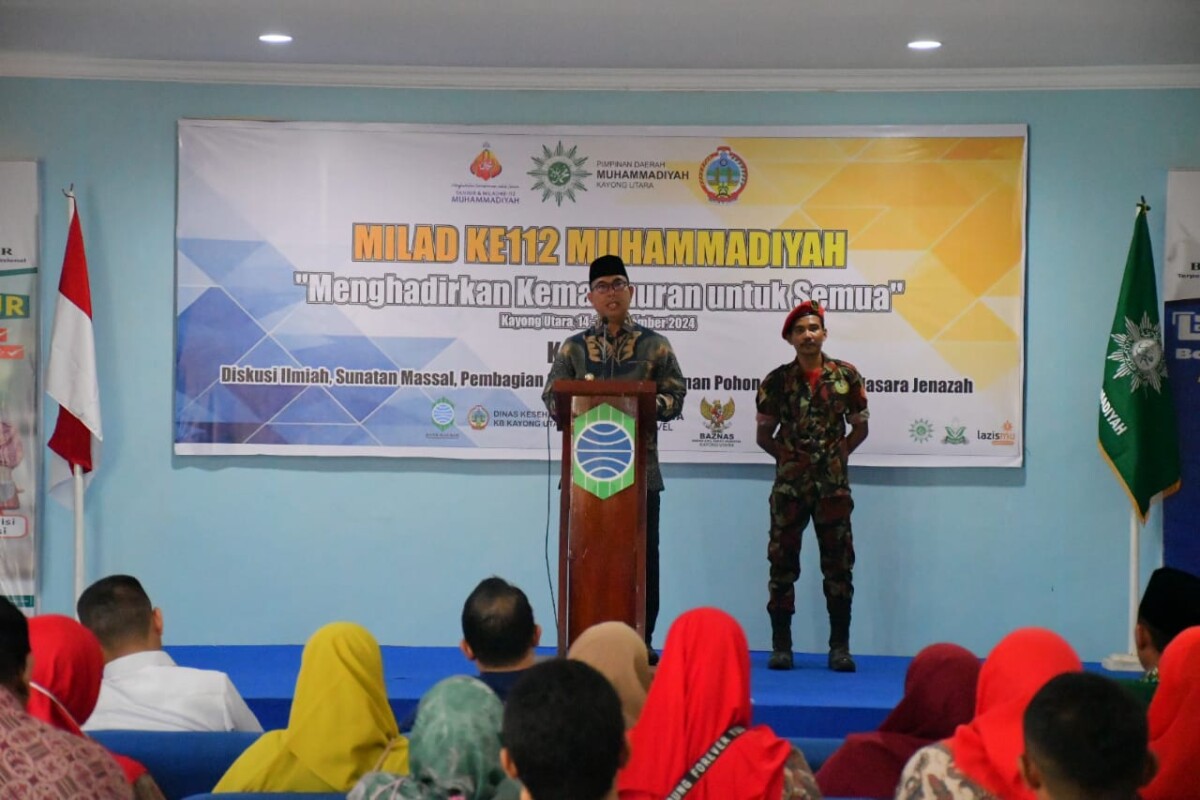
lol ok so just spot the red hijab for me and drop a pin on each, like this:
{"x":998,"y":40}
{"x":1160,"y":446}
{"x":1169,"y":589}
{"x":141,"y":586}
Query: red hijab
{"x":68,"y":666}
{"x":1175,"y":721}
{"x":987,"y":748}
{"x":939,"y":695}
{"x":701,"y":689}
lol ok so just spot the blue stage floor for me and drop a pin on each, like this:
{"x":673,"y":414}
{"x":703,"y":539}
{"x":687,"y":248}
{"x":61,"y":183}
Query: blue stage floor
{"x":809,"y":701}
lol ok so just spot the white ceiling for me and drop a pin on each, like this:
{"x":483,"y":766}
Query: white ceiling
{"x":582,"y":38}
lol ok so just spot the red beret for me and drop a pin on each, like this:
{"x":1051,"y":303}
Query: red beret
{"x":806,"y":309}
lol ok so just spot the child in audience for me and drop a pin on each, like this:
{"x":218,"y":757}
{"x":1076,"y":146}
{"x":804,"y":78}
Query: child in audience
{"x":564,"y":735}
{"x":1175,"y":721}
{"x":698,"y":706}
{"x":980,"y":761}
{"x":619,"y":654}
{"x":340,"y":727}
{"x":1085,"y":739}
{"x":939,"y":695}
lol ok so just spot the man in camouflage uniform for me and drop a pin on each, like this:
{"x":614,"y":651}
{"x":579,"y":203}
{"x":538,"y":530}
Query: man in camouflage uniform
{"x":616,"y":348}
{"x":804,"y":407}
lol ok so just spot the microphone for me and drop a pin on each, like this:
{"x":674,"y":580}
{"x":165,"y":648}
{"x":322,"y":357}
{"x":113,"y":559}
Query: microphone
{"x":605,"y":362}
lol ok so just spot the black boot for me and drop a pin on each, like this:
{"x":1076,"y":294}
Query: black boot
{"x":781,"y":641}
{"x":840,"y":659}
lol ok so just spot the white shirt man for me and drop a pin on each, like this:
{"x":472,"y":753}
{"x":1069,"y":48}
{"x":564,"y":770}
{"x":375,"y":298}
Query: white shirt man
{"x":143,"y":688}
{"x":147,"y":691}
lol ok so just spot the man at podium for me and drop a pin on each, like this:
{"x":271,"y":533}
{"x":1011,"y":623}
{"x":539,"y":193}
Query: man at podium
{"x":617,"y":348}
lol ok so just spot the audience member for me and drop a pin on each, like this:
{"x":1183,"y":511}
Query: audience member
{"x":340,"y":726}
{"x":1175,"y":721}
{"x":454,"y":749}
{"x":67,"y":667}
{"x":143,"y":688}
{"x":981,"y":759}
{"x":1085,"y":739}
{"x":1170,"y":604}
{"x":939,"y":695}
{"x":39,"y":761}
{"x":619,"y":654}
{"x":499,"y":634}
{"x":563,"y":733}
{"x":699,"y":708}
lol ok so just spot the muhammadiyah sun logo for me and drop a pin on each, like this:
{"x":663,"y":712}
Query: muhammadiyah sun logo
{"x":921,"y":430}
{"x":559,"y":173}
{"x":1139,"y":352}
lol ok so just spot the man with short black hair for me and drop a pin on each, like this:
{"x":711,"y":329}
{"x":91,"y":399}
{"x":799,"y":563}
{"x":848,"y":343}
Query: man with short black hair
{"x":1086,"y":738}
{"x":38,"y":760}
{"x":499,"y":634}
{"x":143,"y":688}
{"x":617,"y":348}
{"x":564,"y":734}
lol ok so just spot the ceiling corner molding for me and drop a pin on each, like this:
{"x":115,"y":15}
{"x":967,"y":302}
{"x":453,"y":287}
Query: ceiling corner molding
{"x":39,"y":65}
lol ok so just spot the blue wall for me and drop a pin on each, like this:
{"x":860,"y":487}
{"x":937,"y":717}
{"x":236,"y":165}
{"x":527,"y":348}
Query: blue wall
{"x":263,"y":550}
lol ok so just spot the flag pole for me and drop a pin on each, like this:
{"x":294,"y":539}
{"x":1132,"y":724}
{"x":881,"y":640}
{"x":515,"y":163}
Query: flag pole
{"x":80,"y":566}
{"x":1128,"y":661}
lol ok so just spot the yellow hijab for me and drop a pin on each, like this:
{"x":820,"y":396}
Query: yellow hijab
{"x":340,"y":726}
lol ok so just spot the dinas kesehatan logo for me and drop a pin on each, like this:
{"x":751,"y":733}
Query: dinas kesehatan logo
{"x":717,"y":414}
{"x":486,"y":166}
{"x":478,"y":418}
{"x":1140,"y":354}
{"x":604,"y":451}
{"x":559,"y":173}
{"x":920,"y":431}
{"x":723,"y":175}
{"x":442,"y":414}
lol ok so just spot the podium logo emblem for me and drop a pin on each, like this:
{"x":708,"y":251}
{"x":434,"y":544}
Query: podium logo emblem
{"x":604,"y":451}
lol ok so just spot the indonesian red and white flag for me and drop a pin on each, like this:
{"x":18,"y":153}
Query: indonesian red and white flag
{"x":71,"y":374}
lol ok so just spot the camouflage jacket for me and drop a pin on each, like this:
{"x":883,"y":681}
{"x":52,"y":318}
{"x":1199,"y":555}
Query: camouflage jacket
{"x":634,"y":354}
{"x":812,"y":422}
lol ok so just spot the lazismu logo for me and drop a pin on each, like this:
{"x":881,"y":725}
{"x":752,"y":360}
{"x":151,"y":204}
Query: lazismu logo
{"x":1001,"y":438}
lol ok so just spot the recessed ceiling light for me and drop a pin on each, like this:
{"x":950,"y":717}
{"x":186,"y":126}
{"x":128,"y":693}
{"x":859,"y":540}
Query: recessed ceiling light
{"x":277,"y":38}
{"x":924,"y":44}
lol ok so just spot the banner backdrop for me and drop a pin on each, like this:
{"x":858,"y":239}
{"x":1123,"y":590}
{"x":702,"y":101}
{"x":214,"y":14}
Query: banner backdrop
{"x":19,"y":442}
{"x":391,"y":290}
{"x":1181,"y":329}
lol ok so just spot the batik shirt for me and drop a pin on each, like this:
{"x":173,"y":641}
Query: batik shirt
{"x":931,"y":774}
{"x":38,"y":762}
{"x":634,"y":354}
{"x":812,"y":422}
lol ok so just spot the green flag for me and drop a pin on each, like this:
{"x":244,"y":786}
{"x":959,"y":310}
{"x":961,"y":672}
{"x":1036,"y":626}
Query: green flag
{"x":1137,"y":416}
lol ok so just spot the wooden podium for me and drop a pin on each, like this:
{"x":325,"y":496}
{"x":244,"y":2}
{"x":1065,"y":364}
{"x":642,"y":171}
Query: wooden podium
{"x":602,"y":521}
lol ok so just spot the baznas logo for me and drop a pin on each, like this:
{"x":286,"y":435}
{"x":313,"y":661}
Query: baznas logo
{"x":559,"y":173}
{"x":478,"y":418}
{"x":1139,"y":352}
{"x":717,"y":414}
{"x":604,"y":452}
{"x":723,"y":175}
{"x":921,"y":430}
{"x":486,"y":166}
{"x":442,"y":413}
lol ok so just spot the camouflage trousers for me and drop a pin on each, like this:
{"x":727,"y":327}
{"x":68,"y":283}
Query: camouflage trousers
{"x":830,"y":516}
